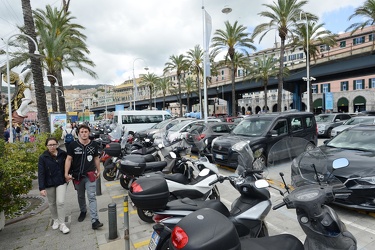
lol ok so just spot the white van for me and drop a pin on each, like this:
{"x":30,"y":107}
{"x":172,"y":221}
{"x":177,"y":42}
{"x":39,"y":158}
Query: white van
{"x":138,"y":120}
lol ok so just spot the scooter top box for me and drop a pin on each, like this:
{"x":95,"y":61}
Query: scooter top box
{"x":113,"y":149}
{"x":133,"y":165}
{"x":149,"y":192}
{"x":210,"y":230}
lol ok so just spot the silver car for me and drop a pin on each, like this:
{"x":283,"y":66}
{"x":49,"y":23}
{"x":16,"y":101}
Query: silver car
{"x":353,"y":122}
{"x":326,"y":122}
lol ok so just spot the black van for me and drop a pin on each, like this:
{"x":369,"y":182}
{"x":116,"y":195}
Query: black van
{"x":262,"y":132}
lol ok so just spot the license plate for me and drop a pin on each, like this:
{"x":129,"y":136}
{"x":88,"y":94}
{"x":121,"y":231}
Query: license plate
{"x":218,"y":156}
{"x":153,"y":241}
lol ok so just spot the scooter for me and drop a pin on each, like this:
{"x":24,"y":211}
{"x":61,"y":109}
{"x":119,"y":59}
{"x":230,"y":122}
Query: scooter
{"x":321,"y":224}
{"x":247,"y":213}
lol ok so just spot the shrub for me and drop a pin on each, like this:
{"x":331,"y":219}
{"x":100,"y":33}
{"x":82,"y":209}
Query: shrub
{"x":18,"y":168}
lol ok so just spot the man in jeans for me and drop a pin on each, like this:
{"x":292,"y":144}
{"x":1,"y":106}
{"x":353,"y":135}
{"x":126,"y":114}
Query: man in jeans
{"x":82,"y":165}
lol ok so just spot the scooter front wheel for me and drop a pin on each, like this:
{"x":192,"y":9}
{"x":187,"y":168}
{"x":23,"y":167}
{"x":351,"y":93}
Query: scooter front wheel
{"x":124,"y":181}
{"x":145,"y":215}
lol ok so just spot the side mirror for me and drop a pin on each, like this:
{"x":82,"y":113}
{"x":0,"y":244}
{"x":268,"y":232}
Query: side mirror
{"x":340,"y":163}
{"x":173,"y":155}
{"x":261,"y":184}
{"x":273,"y":133}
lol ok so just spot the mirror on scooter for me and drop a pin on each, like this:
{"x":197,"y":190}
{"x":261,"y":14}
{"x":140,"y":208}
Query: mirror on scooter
{"x":173,"y":155}
{"x":340,"y":163}
{"x":261,"y":183}
{"x":204,"y":172}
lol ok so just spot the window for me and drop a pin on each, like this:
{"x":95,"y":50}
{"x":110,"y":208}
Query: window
{"x":344,"y":86}
{"x":281,"y":127}
{"x":325,"y":88}
{"x":296,"y":124}
{"x":371,"y":83}
{"x":309,"y":122}
{"x":342,"y":44}
{"x":358,"y":84}
{"x":358,"y":40}
{"x":314,"y":89}
{"x":371,"y":37}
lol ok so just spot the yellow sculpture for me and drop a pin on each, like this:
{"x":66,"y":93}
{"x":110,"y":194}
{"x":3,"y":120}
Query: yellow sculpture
{"x":21,"y":97}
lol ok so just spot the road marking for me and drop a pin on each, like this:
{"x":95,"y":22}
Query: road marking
{"x":118,"y":196}
{"x":110,"y":184}
{"x":141,"y":243}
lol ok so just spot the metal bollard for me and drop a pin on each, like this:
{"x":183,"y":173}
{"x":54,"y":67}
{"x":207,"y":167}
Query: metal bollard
{"x":99,"y":186}
{"x":112,"y":221}
{"x":126,"y":223}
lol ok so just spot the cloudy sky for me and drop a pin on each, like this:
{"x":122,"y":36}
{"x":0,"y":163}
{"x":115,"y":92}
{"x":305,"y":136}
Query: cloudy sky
{"x":120,"y":31}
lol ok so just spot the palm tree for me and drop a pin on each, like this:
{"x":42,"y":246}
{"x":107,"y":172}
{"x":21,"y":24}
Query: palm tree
{"x":189,"y":88}
{"x":232,"y":38}
{"x":179,"y":64}
{"x":312,"y":39}
{"x":195,"y":57}
{"x":367,"y":12}
{"x":149,"y":81}
{"x":284,"y":15}
{"x":262,"y":70}
{"x":36,"y":66}
{"x":163,"y":84}
{"x":63,"y":47}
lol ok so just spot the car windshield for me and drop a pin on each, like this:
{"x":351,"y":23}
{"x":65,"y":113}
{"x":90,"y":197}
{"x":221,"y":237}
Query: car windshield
{"x":325,"y":118}
{"x":356,"y":139}
{"x":179,"y":126}
{"x":161,"y":124}
{"x":359,"y":120}
{"x":252,"y":127}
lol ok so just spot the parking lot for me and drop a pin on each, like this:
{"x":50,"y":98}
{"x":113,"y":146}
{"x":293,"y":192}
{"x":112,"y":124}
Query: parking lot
{"x":360,"y":224}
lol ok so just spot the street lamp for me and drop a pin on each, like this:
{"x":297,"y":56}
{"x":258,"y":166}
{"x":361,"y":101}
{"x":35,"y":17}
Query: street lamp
{"x":8,"y":81}
{"x":307,"y":60}
{"x":62,"y":94}
{"x":134,"y":83}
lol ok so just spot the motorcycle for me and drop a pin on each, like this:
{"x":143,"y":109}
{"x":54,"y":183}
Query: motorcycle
{"x":191,"y":178}
{"x":320,"y":223}
{"x":247,"y":212}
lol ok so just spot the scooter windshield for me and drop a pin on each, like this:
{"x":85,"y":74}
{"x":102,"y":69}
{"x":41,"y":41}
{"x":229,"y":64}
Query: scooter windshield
{"x":116,"y":132}
{"x":245,"y":156}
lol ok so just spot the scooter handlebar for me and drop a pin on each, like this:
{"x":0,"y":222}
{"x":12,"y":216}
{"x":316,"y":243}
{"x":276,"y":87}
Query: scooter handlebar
{"x":279,"y":205}
{"x":219,"y":179}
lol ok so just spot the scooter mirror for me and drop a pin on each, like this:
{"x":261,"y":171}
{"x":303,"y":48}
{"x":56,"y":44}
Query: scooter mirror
{"x":204,"y":172}
{"x":340,"y":163}
{"x":261,"y":184}
{"x":160,"y":145}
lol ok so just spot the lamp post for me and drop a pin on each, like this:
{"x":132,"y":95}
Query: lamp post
{"x":105,"y":101}
{"x":62,"y":94}
{"x":134,"y":83}
{"x":8,"y":81}
{"x":307,"y":60}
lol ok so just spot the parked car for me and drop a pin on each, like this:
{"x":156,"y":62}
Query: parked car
{"x":353,"y":122}
{"x":162,"y":127}
{"x":209,"y":132}
{"x":357,"y":144}
{"x":326,"y":122}
{"x":262,"y":132}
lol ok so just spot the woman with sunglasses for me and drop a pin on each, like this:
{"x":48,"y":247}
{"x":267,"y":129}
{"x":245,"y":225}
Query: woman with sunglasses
{"x":52,"y":182}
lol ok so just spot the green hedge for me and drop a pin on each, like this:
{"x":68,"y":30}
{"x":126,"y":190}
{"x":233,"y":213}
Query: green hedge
{"x":18,"y":168}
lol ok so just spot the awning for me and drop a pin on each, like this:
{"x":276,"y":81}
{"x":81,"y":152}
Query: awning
{"x":359,"y":100}
{"x":318,"y":103}
{"x":342,"y":102}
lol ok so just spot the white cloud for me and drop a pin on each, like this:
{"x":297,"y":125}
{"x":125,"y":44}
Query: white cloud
{"x":120,"y":31}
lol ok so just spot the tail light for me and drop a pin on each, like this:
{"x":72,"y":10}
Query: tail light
{"x":202,"y":136}
{"x":158,"y":218}
{"x":179,"y":237}
{"x":136,"y":188}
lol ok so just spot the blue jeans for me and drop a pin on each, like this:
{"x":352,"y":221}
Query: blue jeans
{"x":90,"y":188}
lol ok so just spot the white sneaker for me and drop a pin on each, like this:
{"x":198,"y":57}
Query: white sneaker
{"x":64,"y":228}
{"x":55,"y":225}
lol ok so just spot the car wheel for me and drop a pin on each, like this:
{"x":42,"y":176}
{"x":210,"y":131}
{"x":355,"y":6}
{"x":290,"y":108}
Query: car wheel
{"x":309,"y":146}
{"x":329,"y":133}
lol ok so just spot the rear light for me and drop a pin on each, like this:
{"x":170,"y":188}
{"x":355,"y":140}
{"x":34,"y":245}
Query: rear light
{"x":107,"y":146}
{"x":179,"y":237}
{"x":158,"y":218}
{"x":136,"y":188}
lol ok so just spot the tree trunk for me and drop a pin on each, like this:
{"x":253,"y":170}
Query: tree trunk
{"x":179,"y":93}
{"x":36,"y":67}
{"x":2,"y":108}
{"x":53,"y":97}
{"x":234,"y":106}
{"x":280,"y":77}
{"x":150,"y":101}
{"x":61,"y":99}
{"x":265,"y":96}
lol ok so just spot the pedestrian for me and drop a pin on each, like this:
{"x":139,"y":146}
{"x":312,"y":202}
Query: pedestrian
{"x":6,"y":135}
{"x":68,"y":135}
{"x":26,"y":135}
{"x":52,"y":182}
{"x":82,"y":165}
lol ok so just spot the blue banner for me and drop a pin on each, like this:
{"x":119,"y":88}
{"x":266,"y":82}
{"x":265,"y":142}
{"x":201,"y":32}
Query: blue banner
{"x":329,"y":101}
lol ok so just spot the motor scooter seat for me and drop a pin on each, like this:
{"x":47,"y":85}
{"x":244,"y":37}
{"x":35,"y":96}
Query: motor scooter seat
{"x":155,"y":166}
{"x":193,"y":205}
{"x":177,"y":177}
{"x":276,"y":242}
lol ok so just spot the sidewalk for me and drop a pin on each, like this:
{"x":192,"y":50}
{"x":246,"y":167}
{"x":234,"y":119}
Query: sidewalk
{"x":35,"y":231}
